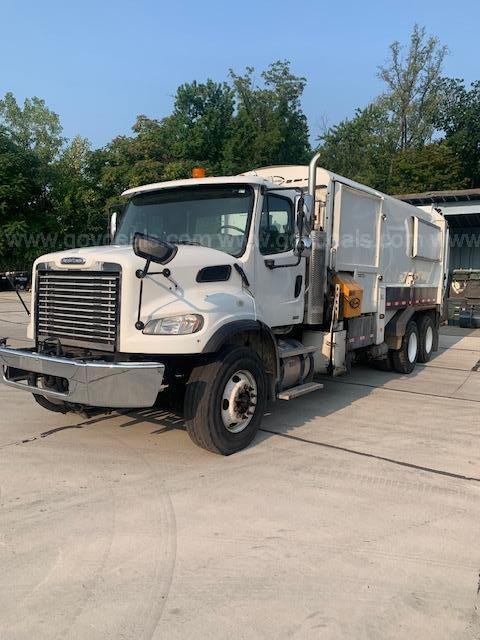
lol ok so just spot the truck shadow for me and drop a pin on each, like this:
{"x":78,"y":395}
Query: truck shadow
{"x":338,"y":395}
{"x":164,"y":419}
{"x":341,"y":403}
{"x":281,"y":416}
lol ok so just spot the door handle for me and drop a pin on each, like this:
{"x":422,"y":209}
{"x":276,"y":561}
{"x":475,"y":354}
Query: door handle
{"x":298,"y":285}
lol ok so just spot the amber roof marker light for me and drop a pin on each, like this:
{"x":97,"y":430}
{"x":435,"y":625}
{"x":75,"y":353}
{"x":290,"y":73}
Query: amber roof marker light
{"x":198,"y":172}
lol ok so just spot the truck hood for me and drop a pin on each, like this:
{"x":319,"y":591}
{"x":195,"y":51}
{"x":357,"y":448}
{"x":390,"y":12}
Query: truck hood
{"x":96,"y":258}
{"x":217,"y":302}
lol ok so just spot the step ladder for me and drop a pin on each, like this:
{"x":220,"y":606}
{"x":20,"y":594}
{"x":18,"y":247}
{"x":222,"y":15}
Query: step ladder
{"x":301,"y":390}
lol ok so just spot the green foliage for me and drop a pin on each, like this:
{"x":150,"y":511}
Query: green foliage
{"x":270,"y":126}
{"x":361,"y":148}
{"x":32,"y":127}
{"x":201,"y":124}
{"x":74,"y":196}
{"x":388,"y":144}
{"x":20,"y":198}
{"x":459,"y":118}
{"x":413,"y":92}
{"x":364,"y":149}
{"x":434,"y":167}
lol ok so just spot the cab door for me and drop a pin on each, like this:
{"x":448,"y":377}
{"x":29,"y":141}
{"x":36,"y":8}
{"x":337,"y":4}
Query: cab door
{"x":279,"y":274}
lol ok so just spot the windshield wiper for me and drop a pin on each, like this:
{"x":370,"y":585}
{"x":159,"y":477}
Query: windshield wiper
{"x":186,"y":242}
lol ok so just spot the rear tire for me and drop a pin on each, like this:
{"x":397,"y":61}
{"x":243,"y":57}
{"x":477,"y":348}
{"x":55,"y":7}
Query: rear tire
{"x":405,"y":359}
{"x":428,"y":337}
{"x":225,"y":400}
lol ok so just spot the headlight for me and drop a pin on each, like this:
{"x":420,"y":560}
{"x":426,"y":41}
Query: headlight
{"x":174,"y":325}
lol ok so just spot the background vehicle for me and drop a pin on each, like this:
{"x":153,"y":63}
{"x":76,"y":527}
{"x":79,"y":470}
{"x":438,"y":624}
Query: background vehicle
{"x":10,"y":280}
{"x":229,"y":292}
{"x":464,"y":298}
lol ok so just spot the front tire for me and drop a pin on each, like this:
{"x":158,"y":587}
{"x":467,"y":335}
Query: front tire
{"x":405,"y":359}
{"x":225,"y":400}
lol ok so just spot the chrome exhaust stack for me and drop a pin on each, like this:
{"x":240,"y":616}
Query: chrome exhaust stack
{"x":317,"y":262}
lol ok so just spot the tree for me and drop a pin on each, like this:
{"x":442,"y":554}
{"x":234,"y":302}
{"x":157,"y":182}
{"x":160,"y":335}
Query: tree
{"x":31,"y":142}
{"x":434,"y":167}
{"x":269,"y":125}
{"x":20,"y":192}
{"x":33,"y":127}
{"x":78,"y":208}
{"x":224,"y":128}
{"x":201,"y":123}
{"x":459,"y":118}
{"x":364,"y":149}
{"x":413,"y":87}
{"x":361,"y":148}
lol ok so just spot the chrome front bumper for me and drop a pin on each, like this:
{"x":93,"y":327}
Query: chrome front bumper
{"x":93,"y":383}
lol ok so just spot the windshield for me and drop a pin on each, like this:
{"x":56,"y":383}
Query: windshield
{"x":211,"y":216}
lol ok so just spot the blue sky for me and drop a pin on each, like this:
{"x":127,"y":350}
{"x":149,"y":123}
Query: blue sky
{"x":99,"y":64}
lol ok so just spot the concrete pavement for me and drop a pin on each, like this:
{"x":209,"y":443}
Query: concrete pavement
{"x":354,"y":514}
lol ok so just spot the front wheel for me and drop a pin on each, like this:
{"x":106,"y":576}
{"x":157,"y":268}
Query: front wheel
{"x":225,"y":401}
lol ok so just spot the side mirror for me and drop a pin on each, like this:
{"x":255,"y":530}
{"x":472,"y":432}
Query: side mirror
{"x":153,"y":250}
{"x":304,"y":206}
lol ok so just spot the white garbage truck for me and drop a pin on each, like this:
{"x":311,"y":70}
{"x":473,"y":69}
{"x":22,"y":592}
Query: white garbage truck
{"x":225,"y":293}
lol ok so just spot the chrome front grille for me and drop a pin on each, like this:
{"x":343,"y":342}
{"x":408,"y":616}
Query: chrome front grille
{"x":78,"y":308}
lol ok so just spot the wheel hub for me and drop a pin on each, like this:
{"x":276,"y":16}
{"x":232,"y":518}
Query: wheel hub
{"x":429,"y":340}
{"x":239,"y":400}
{"x":412,"y":347}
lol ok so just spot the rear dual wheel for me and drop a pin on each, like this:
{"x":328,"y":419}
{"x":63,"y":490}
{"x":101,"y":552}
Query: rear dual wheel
{"x":405,"y":358}
{"x":418,"y":344}
{"x":428,"y":337}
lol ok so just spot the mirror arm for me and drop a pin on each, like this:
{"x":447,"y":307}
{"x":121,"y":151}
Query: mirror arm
{"x":139,"y":324}
{"x":141,"y":275}
{"x":270,"y":263}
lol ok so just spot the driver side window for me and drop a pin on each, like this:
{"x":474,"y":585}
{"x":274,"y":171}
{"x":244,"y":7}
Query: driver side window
{"x":277,"y":229}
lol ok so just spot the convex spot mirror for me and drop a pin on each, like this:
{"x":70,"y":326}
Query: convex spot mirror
{"x":113,"y":224}
{"x":152,"y":249}
{"x":304,"y":205}
{"x":303,"y":246}
{"x":116,"y":212}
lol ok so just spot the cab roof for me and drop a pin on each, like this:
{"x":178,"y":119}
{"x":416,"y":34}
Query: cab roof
{"x":294,"y":176}
{"x":189,"y":182}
